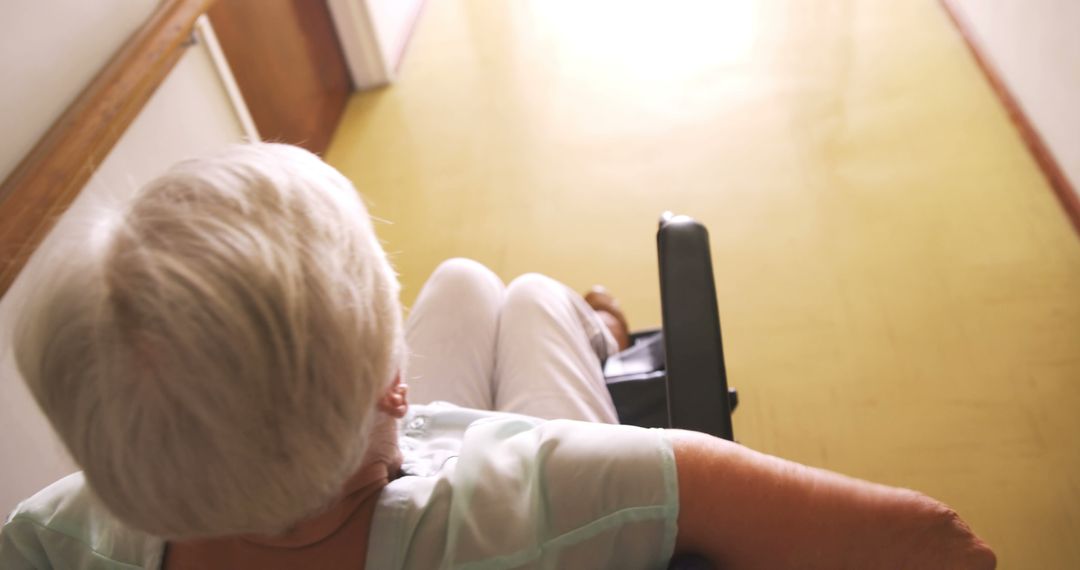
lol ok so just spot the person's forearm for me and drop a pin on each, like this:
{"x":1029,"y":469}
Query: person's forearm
{"x":744,"y":509}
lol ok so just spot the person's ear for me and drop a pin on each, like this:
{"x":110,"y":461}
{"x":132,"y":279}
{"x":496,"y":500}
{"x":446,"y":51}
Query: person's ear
{"x":395,"y":400}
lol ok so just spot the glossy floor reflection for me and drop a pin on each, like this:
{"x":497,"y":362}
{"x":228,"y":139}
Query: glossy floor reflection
{"x":899,"y":290}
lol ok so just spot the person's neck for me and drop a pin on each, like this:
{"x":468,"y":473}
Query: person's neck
{"x":354,"y":509}
{"x":381,"y":464}
{"x":383,"y":447}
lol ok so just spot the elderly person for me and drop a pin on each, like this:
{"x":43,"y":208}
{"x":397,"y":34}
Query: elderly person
{"x":227,"y":362}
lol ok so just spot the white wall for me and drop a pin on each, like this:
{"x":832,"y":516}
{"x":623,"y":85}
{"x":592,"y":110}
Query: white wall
{"x":48,"y":52}
{"x":373,"y":36}
{"x":1035,"y":47}
{"x":189,"y":114}
{"x":394,"y":21}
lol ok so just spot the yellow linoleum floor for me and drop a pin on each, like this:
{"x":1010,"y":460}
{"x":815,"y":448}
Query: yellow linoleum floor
{"x":899,"y":289}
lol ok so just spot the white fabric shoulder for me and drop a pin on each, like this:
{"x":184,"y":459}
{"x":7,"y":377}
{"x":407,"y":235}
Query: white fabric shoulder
{"x":488,"y":490}
{"x":64,"y":526}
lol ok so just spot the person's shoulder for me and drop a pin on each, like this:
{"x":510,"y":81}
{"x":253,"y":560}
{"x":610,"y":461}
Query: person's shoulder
{"x":66,"y":495}
{"x":525,"y":492}
{"x":64,"y":525}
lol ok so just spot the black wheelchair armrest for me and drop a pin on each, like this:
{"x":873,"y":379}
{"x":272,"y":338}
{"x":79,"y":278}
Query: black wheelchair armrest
{"x":697,"y":391}
{"x":675,"y":376}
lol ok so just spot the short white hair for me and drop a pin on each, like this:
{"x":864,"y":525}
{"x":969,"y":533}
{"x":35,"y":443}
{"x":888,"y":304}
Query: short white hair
{"x":212,"y":359}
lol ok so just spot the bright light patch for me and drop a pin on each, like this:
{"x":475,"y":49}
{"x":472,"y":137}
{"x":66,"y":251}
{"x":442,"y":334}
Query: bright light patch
{"x":651,"y":39}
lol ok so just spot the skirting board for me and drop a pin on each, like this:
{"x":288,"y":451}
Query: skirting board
{"x":1064,"y":189}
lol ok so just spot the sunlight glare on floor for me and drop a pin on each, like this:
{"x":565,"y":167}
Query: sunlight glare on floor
{"x":647,"y":44}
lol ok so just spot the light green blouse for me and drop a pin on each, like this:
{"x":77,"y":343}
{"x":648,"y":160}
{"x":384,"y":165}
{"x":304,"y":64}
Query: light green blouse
{"x":481,"y":490}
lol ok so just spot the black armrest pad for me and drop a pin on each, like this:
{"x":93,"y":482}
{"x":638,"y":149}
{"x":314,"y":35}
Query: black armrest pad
{"x":697,"y":380}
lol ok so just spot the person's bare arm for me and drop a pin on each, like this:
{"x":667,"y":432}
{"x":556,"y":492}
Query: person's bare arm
{"x":743,"y":509}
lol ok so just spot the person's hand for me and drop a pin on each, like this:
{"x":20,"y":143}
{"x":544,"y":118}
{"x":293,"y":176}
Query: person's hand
{"x":609,"y":311}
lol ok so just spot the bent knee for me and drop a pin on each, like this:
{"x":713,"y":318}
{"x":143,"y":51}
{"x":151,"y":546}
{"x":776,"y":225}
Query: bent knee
{"x":462,"y":274}
{"x":533,"y":293}
{"x":533,"y":286}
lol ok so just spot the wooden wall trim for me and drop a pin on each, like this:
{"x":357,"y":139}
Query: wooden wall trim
{"x":1064,"y":189}
{"x":49,"y":178}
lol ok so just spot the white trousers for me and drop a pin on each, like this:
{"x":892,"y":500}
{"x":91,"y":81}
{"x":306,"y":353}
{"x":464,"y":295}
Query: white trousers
{"x":533,"y":347}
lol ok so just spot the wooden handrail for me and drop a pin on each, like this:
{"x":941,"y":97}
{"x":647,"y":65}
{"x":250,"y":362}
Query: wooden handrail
{"x":49,"y":178}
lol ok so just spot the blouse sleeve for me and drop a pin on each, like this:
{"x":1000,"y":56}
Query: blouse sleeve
{"x":561,"y":494}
